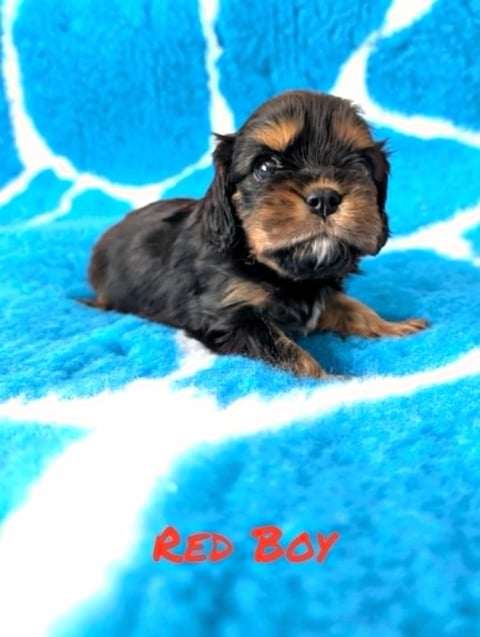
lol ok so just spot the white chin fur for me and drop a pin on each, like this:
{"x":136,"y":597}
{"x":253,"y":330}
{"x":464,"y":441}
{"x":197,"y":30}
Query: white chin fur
{"x":323,"y":249}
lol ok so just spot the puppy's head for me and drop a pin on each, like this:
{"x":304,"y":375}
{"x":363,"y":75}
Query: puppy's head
{"x":305,"y":181}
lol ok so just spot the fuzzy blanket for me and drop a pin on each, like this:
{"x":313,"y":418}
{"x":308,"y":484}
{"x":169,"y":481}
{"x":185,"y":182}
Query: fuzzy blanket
{"x":342,"y":509}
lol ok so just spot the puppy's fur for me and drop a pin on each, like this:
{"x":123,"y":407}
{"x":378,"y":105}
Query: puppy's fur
{"x":297,"y":199}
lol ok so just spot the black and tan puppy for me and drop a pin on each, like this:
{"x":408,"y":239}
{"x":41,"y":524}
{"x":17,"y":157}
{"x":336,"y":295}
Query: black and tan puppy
{"x":297,"y":199}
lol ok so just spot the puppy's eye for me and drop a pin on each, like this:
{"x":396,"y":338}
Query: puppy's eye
{"x":266,"y":166}
{"x":364,"y":164}
{"x":359,"y":163}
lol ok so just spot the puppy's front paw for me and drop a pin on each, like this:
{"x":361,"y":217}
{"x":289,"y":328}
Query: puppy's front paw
{"x":337,"y":377}
{"x":404,"y":328}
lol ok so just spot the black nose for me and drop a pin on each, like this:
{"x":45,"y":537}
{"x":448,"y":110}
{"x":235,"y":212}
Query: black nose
{"x":323,"y":201}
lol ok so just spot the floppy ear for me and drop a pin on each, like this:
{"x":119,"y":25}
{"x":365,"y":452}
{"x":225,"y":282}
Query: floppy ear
{"x":378,"y":159}
{"x":219,"y":221}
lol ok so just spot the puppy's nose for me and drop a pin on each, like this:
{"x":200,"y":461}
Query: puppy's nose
{"x":323,"y":201}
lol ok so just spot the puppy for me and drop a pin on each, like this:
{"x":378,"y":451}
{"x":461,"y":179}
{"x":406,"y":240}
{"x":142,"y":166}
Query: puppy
{"x":297,"y":199}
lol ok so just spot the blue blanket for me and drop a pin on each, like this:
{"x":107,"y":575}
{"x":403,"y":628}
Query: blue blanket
{"x":150,"y":488}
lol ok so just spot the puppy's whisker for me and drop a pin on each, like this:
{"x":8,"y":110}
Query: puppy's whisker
{"x":299,"y":193}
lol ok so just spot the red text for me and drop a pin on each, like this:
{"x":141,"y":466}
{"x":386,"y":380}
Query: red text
{"x":269,"y":546}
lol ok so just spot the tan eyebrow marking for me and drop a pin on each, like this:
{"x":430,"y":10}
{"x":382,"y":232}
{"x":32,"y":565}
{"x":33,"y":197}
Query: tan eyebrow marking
{"x":352,"y":133}
{"x":277,"y":135}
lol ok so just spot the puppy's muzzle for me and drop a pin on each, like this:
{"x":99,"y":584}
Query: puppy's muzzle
{"x":323,"y":201}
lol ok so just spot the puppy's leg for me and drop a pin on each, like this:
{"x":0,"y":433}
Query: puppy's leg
{"x":97,"y":303}
{"x":256,"y":338}
{"x":347,"y":316}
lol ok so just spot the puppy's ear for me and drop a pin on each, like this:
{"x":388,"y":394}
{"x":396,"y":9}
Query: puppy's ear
{"x":219,"y":221}
{"x":377,"y":157}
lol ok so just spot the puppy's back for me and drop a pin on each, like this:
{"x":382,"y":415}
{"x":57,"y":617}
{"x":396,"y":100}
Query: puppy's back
{"x":120,"y":246}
